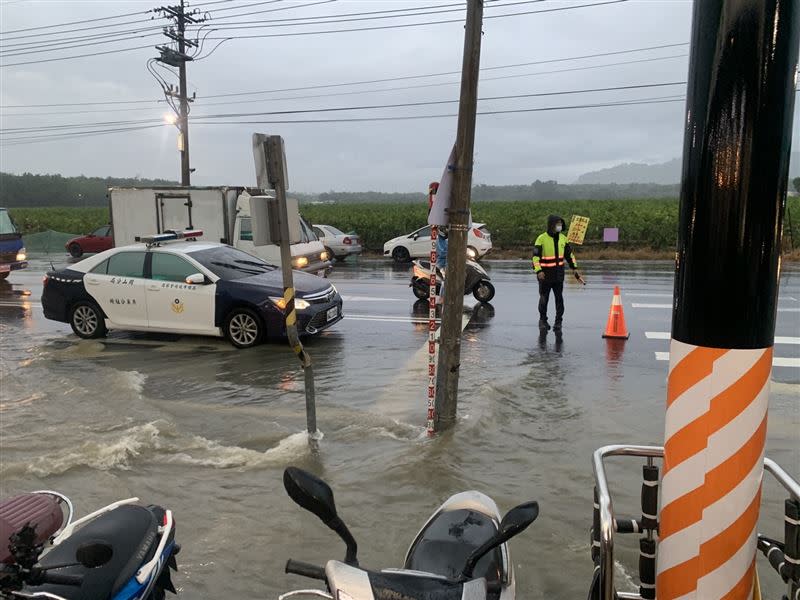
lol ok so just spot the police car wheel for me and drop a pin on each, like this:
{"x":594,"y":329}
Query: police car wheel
{"x":244,"y":328}
{"x":87,"y":321}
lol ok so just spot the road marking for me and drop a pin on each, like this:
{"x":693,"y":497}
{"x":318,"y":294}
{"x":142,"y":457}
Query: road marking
{"x":372,"y":299}
{"x":385,"y":319}
{"x":776,"y":361}
{"x":637,"y":305}
{"x":647,"y":295}
{"x":665,"y":335}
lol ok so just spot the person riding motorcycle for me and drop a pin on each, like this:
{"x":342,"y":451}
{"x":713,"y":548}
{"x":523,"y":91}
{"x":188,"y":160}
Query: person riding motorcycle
{"x":550,"y":251}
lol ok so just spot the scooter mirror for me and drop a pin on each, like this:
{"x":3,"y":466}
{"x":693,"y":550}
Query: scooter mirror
{"x":311,"y":493}
{"x":518,"y":519}
{"x":515,"y":521}
{"x":316,"y":496}
{"x":94,"y":554}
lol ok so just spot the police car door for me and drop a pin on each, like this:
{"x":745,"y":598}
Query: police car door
{"x":118,"y":286}
{"x":172,"y":304}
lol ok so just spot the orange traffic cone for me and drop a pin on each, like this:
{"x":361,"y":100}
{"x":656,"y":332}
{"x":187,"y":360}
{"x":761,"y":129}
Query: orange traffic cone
{"x":615,"y":328}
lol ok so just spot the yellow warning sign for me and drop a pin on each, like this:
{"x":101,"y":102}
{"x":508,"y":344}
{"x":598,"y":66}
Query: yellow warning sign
{"x":577,"y":229}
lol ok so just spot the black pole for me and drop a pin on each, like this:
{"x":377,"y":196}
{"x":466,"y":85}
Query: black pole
{"x":735,"y":171}
{"x":183,"y":119}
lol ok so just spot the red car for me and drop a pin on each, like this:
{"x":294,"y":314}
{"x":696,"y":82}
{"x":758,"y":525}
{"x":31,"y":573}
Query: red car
{"x":97,"y":241}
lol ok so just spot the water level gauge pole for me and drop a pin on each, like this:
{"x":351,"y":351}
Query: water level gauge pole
{"x":737,"y":143}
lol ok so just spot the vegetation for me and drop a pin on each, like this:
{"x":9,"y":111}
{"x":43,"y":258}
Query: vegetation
{"x":646,"y":224}
{"x":796,"y":183}
{"x":66,"y":220}
{"x":31,"y":190}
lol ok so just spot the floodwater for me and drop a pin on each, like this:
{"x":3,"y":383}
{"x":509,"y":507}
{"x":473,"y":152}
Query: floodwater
{"x":206,"y":430}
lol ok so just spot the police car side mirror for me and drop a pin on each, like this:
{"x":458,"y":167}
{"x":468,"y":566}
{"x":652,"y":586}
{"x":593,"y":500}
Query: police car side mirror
{"x":196,"y":279}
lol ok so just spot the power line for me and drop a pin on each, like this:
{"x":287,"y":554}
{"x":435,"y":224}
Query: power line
{"x":364,"y":16}
{"x":637,"y":102}
{"x":25,"y":51}
{"x":398,"y":78}
{"x":423,"y":23}
{"x":58,"y":59}
{"x":19,"y":130}
{"x":59,"y":25}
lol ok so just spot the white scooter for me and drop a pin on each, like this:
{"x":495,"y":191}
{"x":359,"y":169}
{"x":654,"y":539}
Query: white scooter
{"x":461,"y":553}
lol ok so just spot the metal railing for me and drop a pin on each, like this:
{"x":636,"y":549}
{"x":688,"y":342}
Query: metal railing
{"x":607,"y":524}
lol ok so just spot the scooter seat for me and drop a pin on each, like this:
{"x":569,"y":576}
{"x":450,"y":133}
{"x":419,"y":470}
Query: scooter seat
{"x":394,"y":586}
{"x":41,"y":511}
{"x":444,"y":546}
{"x":132,"y":533}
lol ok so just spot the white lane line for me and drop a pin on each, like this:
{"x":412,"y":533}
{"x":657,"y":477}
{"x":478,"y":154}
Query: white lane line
{"x":664,"y":335}
{"x":372,"y":299}
{"x":657,"y":335}
{"x":637,"y":305}
{"x":776,"y":360}
{"x":384,"y":319}
{"x":646,"y":295}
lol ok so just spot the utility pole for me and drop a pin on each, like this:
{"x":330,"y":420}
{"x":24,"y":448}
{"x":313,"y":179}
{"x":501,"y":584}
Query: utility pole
{"x":447,"y":374}
{"x":179,"y":58}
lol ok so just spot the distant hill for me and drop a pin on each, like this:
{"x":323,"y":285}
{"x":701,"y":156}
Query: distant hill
{"x":664,"y":173}
{"x":661,"y":173}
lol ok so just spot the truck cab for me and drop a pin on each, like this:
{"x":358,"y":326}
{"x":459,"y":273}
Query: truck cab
{"x":308,"y":255}
{"x":12,"y":250}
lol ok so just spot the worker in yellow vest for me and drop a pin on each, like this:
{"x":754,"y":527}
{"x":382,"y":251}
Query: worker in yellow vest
{"x":550,"y":251}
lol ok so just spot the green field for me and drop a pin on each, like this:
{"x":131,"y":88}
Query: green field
{"x":642,"y":223}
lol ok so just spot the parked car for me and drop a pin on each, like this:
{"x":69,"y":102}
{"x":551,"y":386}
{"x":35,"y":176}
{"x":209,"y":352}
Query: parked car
{"x":12,"y":250}
{"x":190,"y":287}
{"x":338,"y":244}
{"x":418,"y":244}
{"x":99,"y":240}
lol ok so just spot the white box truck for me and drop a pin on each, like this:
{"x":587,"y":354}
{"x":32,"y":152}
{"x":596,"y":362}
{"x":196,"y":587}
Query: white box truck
{"x":223,"y":213}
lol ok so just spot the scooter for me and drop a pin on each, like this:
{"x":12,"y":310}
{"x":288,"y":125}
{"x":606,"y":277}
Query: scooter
{"x":123,"y":551}
{"x":476,"y":281}
{"x":461,"y":552}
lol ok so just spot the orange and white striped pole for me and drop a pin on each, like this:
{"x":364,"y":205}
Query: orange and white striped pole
{"x":735,"y":167}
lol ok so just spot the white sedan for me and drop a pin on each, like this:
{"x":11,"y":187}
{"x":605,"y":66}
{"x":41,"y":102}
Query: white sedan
{"x":418,"y":244}
{"x":338,"y":244}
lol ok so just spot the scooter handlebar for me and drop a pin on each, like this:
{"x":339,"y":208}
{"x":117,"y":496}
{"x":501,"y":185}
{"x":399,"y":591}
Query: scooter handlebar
{"x":305,"y":569}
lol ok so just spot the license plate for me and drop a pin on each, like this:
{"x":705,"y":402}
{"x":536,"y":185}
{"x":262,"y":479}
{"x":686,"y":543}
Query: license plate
{"x":333,"y":313}
{"x":5,"y":268}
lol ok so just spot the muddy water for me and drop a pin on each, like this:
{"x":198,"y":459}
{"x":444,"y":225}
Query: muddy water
{"x":206,"y":430}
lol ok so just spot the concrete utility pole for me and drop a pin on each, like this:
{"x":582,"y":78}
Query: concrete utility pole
{"x":179,"y":59}
{"x":458,"y":216}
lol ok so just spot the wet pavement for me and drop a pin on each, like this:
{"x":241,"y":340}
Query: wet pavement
{"x":206,"y":430}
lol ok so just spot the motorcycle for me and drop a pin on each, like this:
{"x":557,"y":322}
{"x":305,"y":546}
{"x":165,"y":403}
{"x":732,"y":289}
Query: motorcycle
{"x":461,"y":552}
{"x":476,"y":281}
{"x":123,"y":551}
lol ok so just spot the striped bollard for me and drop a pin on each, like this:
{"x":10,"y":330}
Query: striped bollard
{"x":735,"y":165}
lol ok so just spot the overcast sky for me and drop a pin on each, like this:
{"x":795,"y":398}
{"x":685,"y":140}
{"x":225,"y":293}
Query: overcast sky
{"x":396,"y":155}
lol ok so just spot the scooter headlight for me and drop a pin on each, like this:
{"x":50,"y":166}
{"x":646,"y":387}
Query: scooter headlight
{"x":471,"y":253}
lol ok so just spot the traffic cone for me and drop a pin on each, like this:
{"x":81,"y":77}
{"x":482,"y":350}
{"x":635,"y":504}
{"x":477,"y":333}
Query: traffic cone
{"x":615,"y":328}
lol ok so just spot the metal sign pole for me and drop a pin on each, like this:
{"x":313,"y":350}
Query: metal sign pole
{"x":273,"y":148}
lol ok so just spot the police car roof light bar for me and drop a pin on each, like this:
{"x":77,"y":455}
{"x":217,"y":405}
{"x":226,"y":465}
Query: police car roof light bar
{"x":169,"y":236}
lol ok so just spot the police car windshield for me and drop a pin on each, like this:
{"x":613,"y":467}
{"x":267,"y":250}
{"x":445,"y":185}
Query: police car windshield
{"x":229,"y":263}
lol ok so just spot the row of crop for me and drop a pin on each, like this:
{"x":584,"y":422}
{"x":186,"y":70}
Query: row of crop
{"x":641,"y":223}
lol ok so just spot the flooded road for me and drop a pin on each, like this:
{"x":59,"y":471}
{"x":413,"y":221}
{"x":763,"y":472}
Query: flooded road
{"x":206,"y":430}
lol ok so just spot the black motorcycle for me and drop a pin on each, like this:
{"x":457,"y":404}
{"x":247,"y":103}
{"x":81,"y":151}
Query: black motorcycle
{"x":476,"y":281}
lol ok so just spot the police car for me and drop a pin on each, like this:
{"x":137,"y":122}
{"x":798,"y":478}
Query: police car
{"x":176,"y":284}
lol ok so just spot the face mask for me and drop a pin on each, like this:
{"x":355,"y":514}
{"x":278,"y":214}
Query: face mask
{"x":558,"y":228}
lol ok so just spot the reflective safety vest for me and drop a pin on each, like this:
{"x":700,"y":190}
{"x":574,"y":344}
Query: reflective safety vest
{"x":547,"y":256}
